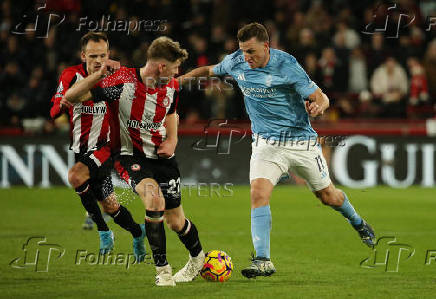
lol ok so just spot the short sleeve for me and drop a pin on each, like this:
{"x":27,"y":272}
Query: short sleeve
{"x":67,"y":78}
{"x":298,"y":78}
{"x":110,"y":88}
{"x":107,"y":94}
{"x":224,"y":67}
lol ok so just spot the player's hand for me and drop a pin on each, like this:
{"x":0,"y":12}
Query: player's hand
{"x":65,"y":104}
{"x":314,"y":109}
{"x":167,"y":148}
{"x":112,"y":65}
{"x":109,"y":67}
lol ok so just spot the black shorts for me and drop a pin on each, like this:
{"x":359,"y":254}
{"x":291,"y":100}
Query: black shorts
{"x":133,"y":169}
{"x":100,"y":164}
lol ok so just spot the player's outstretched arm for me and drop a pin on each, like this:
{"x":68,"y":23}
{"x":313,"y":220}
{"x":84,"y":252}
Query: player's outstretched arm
{"x":80,"y":91}
{"x":318,"y":103}
{"x":203,"y":71}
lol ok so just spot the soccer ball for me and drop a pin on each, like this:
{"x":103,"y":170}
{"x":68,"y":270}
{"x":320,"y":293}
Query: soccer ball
{"x":217,"y":266}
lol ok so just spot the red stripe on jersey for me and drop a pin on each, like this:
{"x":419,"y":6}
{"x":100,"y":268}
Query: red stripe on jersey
{"x":102,"y":154}
{"x":136,"y":114}
{"x":160,"y":112}
{"x":86,"y":123}
{"x":102,"y":138}
{"x":79,"y":140}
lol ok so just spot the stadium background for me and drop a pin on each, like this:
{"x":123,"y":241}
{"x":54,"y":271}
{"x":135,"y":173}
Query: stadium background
{"x":375,"y":60}
{"x":382,"y":135}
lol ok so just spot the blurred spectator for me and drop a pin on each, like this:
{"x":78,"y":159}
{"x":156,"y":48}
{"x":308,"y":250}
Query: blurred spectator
{"x":349,"y":36}
{"x":11,"y":79}
{"x":377,"y":52}
{"x":319,"y":20}
{"x":333,"y":75}
{"x":325,"y":36}
{"x":430,"y":68}
{"x":358,"y":80}
{"x":345,"y":108}
{"x":311,"y":67}
{"x":293,"y":33}
{"x":305,"y":44}
{"x":389,"y":84}
{"x":418,"y":82}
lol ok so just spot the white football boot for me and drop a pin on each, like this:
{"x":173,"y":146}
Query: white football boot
{"x":191,"y":269}
{"x":164,"y":276}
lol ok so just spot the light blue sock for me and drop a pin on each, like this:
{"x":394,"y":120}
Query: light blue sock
{"x":348,"y":211}
{"x":260,"y":230}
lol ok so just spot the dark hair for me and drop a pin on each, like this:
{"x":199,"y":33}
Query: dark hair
{"x":253,"y":30}
{"x":94,"y":36}
{"x":164,"y":47}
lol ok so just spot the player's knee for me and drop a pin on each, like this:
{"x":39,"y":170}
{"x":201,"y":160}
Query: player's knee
{"x":175,"y":223}
{"x":259,"y":196}
{"x":151,"y":194}
{"x":330,"y":197}
{"x":76,"y":177}
{"x":110,"y":205}
{"x":157,"y":203}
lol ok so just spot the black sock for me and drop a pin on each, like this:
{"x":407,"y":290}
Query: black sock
{"x":123,"y":218}
{"x":89,"y":202}
{"x":155,"y":231}
{"x":189,"y":237}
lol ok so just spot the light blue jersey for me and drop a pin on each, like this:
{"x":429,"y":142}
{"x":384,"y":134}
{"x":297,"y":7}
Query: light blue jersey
{"x":274,"y":95}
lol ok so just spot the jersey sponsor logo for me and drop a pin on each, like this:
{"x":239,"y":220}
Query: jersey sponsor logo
{"x":259,"y":92}
{"x":131,"y":123}
{"x":93,"y":110}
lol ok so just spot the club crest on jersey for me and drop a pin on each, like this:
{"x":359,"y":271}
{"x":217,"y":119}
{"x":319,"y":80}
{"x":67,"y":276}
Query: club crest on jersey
{"x":136,"y":167}
{"x":165,"y":102}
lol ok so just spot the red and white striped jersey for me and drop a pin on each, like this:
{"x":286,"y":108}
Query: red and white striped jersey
{"x":138,"y":112}
{"x":89,"y":121}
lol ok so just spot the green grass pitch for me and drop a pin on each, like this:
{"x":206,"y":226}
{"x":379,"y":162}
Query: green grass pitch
{"x":316,"y":252}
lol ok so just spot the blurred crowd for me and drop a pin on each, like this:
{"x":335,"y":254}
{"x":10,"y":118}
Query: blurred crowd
{"x":374,"y":59}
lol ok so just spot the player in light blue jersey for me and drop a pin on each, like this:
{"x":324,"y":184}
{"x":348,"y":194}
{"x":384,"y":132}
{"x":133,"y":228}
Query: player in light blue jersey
{"x":279,"y":98}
